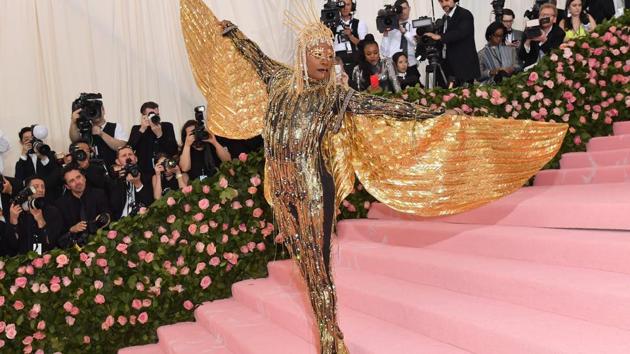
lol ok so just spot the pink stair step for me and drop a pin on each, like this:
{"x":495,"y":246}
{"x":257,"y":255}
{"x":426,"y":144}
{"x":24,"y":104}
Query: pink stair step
{"x":287,"y":306}
{"x":245,"y":331}
{"x":621,"y":128}
{"x":595,"y":159}
{"x":571,"y":248}
{"x":189,"y":337}
{"x":613,"y":142}
{"x":587,"y":175}
{"x":595,"y":296}
{"x":595,"y":206}
{"x":142,"y":349}
{"x":472,"y":323}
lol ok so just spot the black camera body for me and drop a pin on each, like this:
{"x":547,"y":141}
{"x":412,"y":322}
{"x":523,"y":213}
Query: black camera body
{"x":200,"y":133}
{"x":535,"y":10}
{"x":130,"y":169}
{"x":534,"y":29}
{"x":169,"y":164}
{"x":77,"y":154}
{"x":24,"y":199}
{"x":330,"y":15}
{"x":497,"y":8}
{"x":91,"y":105}
{"x":427,"y":47}
{"x":38,"y":146}
{"x":388,"y":18}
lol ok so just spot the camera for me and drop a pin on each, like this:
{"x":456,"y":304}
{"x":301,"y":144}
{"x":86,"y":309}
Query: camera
{"x":129,"y":169}
{"x":535,"y":10}
{"x":155,"y":119}
{"x":427,"y":48}
{"x":169,"y":164}
{"x":135,"y":207}
{"x":497,"y":7}
{"x":388,"y":18}
{"x":532,"y":28}
{"x":81,"y":239}
{"x":330,"y":15}
{"x":200,"y":133}
{"x":91,"y":105}
{"x":77,"y":154}
{"x":25,"y":200}
{"x":38,"y":146}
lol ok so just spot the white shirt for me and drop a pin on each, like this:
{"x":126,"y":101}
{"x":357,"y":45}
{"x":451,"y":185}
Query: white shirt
{"x":131,"y":198}
{"x":33,"y":157}
{"x":119,"y":133}
{"x":340,"y":44}
{"x":391,"y":44}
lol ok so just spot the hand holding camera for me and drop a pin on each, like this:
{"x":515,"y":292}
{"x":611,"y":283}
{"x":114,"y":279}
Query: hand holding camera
{"x":79,"y":227}
{"x":14,"y":213}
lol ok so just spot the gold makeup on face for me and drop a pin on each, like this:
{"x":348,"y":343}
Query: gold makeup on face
{"x":321,"y":53}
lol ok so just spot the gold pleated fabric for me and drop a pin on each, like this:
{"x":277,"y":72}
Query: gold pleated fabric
{"x":449,"y":164}
{"x":236,"y":96}
{"x":338,"y":154}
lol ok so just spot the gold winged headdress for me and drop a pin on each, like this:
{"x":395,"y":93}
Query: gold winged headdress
{"x":438,"y":166}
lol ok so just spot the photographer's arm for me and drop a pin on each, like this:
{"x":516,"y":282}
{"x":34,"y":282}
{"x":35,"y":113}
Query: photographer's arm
{"x":156,"y":181}
{"x":184,"y":158}
{"x":74,"y":133}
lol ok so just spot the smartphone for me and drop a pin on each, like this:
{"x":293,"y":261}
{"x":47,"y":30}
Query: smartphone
{"x":338,"y":69}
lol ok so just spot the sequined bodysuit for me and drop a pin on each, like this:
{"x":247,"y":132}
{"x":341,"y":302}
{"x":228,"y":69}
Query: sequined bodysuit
{"x":302,"y":189}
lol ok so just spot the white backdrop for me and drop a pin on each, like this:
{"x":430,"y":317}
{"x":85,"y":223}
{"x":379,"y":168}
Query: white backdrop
{"x":132,"y":51}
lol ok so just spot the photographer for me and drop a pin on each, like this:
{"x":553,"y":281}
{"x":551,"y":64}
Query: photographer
{"x":38,"y":159}
{"x":497,"y":61}
{"x":348,"y":33}
{"x":513,"y":37}
{"x":151,"y":137}
{"x":402,"y":39}
{"x":84,"y":208}
{"x":201,"y":153}
{"x":128,"y":188}
{"x":8,"y":185}
{"x":168,"y":177}
{"x":88,"y":122}
{"x":458,"y":37}
{"x":540,"y":41}
{"x":33,"y":224}
{"x":94,"y":170}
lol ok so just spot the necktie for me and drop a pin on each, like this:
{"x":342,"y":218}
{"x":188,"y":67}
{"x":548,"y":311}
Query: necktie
{"x":403,"y":40}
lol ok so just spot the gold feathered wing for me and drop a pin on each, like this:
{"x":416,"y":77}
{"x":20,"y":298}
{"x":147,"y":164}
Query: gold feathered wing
{"x":444,"y":165}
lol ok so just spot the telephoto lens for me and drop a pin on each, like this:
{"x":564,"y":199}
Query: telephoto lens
{"x":37,"y":203}
{"x":155,"y":119}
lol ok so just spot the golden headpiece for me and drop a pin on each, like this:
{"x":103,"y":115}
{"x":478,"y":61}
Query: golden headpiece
{"x":310,"y":33}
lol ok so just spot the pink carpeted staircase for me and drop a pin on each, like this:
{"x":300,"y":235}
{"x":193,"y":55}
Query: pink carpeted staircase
{"x":607,"y":160}
{"x":545,"y":270}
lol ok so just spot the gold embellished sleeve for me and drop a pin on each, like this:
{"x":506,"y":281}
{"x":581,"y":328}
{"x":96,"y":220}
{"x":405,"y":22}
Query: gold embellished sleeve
{"x":365,"y":104}
{"x":264,"y":66}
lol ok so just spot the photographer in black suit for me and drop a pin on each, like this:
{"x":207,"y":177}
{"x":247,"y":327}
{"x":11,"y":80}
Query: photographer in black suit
{"x":549,"y":37}
{"x":152,"y":137}
{"x":458,"y":37}
{"x":128,"y":188}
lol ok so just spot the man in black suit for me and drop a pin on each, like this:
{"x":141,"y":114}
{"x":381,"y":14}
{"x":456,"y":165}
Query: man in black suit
{"x":458,"y":38}
{"x":552,"y":36}
{"x":9,"y":185}
{"x":601,"y":10}
{"x":513,"y":37}
{"x":125,"y":189}
{"x":34,"y":162}
{"x":152,"y":137}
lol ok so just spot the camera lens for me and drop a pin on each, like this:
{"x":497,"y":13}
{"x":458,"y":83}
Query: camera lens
{"x":155,"y":119}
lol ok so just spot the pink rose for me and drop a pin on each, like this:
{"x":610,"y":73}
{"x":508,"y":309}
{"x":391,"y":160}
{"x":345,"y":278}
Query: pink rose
{"x":213,"y":224}
{"x":206,"y":189}
{"x":99,"y":299}
{"x":18,"y":305}
{"x":126,"y":239}
{"x":232,"y":258}
{"x":192,"y":229}
{"x":255,"y":181}
{"x":214,"y":261}
{"x":67,"y":306}
{"x":62,"y":260}
{"x":101,"y":262}
{"x":204,"y":228}
{"x":38,"y":262}
{"x":236,"y":205}
{"x":111,"y":234}
{"x":170,"y":201}
{"x":211,"y":249}
{"x":149,"y":257}
{"x":257,"y":212}
{"x":249,"y":203}
{"x":148,"y":234}
{"x":252,"y":190}
{"x":205,"y":282}
{"x":10,"y":331}
{"x":188,"y":305}
{"x":224,"y":238}
{"x":21,"y":282}
{"x":200,"y":266}
{"x":242,"y":157}
{"x":187,"y":189}
{"x":164,"y":239}
{"x":260,"y":246}
{"x":101,"y":250}
{"x":215,"y":208}
{"x":146,"y":302}
{"x":184,"y":271}
{"x":199,"y":246}
{"x":86,"y":339}
{"x":98,"y":284}
{"x":75,"y":311}
{"x":198,"y":217}
{"x":187,"y":208}
{"x":122,"y":248}
{"x":577,"y":140}
{"x":244,"y":250}
{"x":122,"y":320}
{"x":136,"y":304}
{"x":143,"y":317}
{"x":223,"y":183}
{"x":171,"y":219}
{"x":204,"y":204}
{"x":41,"y":325}
{"x":70,"y":320}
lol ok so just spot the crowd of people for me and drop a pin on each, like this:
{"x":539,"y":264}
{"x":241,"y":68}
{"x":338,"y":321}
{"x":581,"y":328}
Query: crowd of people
{"x":59,"y":199}
{"x":393,"y":65}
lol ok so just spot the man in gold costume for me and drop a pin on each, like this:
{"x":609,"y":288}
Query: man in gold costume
{"x":319,"y":134}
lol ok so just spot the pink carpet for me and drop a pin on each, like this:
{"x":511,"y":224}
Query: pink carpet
{"x":545,"y":270}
